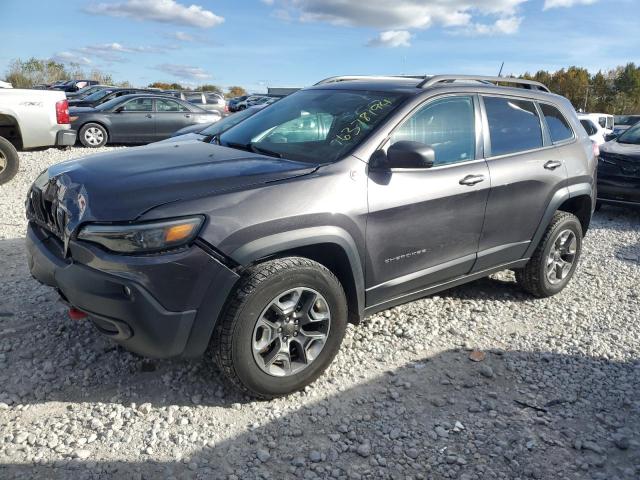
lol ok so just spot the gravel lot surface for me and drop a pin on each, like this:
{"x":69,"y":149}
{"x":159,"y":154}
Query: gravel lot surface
{"x":555,"y":394}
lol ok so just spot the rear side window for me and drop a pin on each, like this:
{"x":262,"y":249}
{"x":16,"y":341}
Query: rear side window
{"x":514,"y":125}
{"x":589,"y":127}
{"x":558,"y":126}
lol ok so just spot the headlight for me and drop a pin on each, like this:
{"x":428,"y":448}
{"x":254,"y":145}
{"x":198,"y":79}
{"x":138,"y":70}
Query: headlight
{"x":143,"y":237}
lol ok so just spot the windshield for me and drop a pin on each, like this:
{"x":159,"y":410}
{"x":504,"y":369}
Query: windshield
{"x":109,"y":104}
{"x":316,"y":126}
{"x":631,"y":136}
{"x":228,"y":122}
{"x":98,"y":95}
{"x":627,"y":119}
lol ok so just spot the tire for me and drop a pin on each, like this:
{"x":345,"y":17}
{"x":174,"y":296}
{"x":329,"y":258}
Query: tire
{"x":544,"y":275}
{"x":9,"y":161}
{"x":93,"y":135}
{"x":240,"y":328}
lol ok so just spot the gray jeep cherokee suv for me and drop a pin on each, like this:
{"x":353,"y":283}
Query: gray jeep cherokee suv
{"x":341,"y":200}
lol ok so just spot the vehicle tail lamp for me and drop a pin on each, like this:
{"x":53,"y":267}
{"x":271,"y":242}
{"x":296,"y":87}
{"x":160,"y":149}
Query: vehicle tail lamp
{"x":62,"y":111}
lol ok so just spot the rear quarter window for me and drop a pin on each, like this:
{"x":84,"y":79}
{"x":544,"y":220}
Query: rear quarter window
{"x":559,"y":128}
{"x":514,"y":125}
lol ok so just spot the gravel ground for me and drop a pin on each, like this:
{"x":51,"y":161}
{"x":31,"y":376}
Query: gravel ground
{"x":554,"y":395}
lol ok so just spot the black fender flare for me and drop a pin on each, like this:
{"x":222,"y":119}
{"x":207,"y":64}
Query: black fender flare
{"x":557,"y":200}
{"x":307,"y":237}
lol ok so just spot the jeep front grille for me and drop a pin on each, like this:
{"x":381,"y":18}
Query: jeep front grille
{"x":43,"y":209}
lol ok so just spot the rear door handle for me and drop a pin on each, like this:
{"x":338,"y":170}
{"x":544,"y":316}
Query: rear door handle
{"x":187,"y":115}
{"x":149,"y":115}
{"x":552,"y":164}
{"x":471,"y":180}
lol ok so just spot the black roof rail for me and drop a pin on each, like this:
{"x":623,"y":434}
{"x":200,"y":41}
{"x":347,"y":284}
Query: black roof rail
{"x":436,"y":79}
{"x":347,"y":78}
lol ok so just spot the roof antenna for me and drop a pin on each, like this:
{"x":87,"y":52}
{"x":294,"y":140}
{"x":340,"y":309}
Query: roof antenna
{"x":500,"y":72}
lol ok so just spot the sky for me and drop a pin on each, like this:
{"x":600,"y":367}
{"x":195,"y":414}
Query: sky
{"x":294,"y":43}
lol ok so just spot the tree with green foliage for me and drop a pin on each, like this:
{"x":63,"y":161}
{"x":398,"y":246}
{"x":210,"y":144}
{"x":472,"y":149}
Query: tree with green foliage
{"x":35,"y":71}
{"x":166,"y":86}
{"x":209,"y":88}
{"x":615,"y":91}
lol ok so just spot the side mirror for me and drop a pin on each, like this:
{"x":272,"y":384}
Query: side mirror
{"x":407,"y":154}
{"x":119,"y":109}
{"x":610,"y":136}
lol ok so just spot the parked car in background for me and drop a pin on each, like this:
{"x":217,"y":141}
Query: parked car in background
{"x":594,"y":130}
{"x":339,"y":201}
{"x":198,"y":132}
{"x":233,"y":102}
{"x":210,"y":101}
{"x":31,"y":119}
{"x":624,"y":122}
{"x":136,"y":118}
{"x":106,"y":94}
{"x":74,"y":85}
{"x":605,"y":121}
{"x":86,"y":91}
{"x":250,"y":101}
{"x":619,"y":169}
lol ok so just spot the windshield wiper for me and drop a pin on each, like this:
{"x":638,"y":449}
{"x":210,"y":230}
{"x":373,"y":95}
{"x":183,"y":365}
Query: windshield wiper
{"x":264,"y":151}
{"x":250,"y":147}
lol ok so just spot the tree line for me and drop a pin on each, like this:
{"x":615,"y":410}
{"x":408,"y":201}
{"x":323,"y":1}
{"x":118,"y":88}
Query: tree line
{"x":36,"y":71}
{"x":615,"y":91}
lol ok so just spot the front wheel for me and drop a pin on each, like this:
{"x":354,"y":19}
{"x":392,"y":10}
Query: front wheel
{"x":282,"y":327}
{"x":555,"y":259}
{"x":9,"y":161}
{"x":93,"y":135}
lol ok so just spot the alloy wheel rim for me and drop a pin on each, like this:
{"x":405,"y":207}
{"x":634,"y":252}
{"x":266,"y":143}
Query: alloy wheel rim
{"x":561,"y":256}
{"x":3,"y":161}
{"x":93,"y":136}
{"x":291,"y":332}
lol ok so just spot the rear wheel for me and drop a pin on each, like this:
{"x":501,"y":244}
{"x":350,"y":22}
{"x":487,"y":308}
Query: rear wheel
{"x":282,"y":327}
{"x":9,"y":161}
{"x":93,"y":135}
{"x":555,"y":259}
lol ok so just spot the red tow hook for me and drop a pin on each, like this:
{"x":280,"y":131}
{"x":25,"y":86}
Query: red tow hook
{"x":75,"y":314}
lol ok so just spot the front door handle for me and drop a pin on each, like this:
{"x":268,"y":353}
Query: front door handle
{"x":148,"y":115}
{"x":552,"y":164}
{"x":471,"y":180}
{"x":187,"y":115}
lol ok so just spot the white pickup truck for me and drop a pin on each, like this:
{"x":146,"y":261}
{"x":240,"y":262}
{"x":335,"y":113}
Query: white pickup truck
{"x":31,"y":119}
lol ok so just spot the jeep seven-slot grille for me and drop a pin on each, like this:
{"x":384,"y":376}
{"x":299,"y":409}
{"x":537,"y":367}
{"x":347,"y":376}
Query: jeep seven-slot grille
{"x":44,"y":211}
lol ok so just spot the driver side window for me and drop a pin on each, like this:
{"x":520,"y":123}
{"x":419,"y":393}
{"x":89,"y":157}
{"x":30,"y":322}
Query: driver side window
{"x":447,"y":125}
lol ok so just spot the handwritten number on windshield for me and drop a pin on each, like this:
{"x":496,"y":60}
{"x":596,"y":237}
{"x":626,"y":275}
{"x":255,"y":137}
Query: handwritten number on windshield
{"x":363,"y":119}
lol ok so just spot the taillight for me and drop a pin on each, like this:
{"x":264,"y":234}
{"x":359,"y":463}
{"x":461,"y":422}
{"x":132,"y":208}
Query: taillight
{"x":596,"y":149}
{"x":62,"y":111}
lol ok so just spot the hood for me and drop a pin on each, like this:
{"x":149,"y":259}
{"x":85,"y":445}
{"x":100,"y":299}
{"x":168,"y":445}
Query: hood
{"x":122,"y":185}
{"x":186,"y":137}
{"x":197,"y":128}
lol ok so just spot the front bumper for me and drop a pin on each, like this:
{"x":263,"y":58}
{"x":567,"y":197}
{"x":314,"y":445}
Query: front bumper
{"x":158,"y":306}
{"x":65,"y":138}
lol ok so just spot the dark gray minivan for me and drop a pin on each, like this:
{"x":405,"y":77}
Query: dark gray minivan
{"x":341,"y":200}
